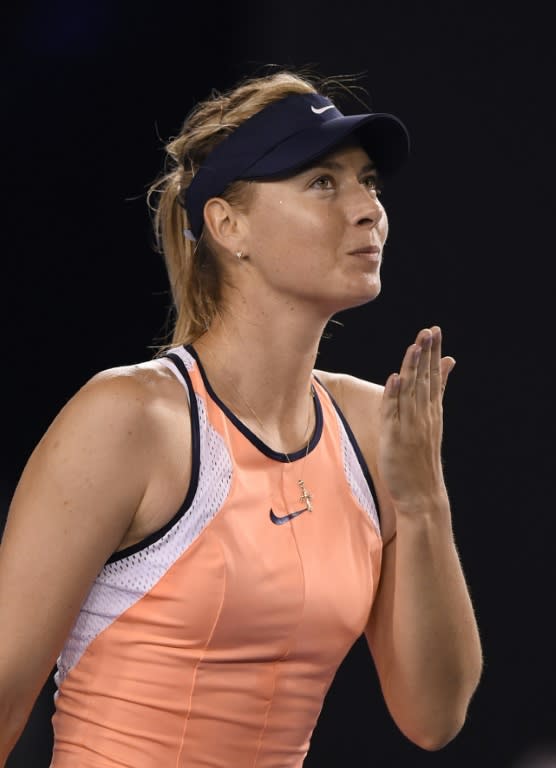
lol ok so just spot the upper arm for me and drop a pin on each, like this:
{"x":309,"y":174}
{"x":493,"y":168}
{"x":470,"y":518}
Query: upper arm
{"x":73,"y":504}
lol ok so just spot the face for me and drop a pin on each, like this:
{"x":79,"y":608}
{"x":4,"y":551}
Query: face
{"x":318,"y":236}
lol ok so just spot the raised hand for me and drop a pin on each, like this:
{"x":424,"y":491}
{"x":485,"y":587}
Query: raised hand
{"x":409,"y":459}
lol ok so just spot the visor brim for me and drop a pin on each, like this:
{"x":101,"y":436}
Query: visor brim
{"x":383,"y":136}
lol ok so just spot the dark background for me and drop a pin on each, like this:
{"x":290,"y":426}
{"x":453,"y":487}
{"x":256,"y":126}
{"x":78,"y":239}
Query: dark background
{"x":91,"y":89}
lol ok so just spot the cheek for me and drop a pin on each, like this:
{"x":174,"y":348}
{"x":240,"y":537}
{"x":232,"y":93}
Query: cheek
{"x":288,"y":230}
{"x":383,"y":225}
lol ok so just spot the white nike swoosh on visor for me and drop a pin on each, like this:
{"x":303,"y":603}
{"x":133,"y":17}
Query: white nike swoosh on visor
{"x":321,"y":109}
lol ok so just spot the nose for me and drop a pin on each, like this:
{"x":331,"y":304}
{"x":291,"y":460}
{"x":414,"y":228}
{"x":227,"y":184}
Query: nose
{"x":364,"y":208}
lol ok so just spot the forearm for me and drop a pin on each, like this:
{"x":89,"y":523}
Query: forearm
{"x":12,"y":724}
{"x":434,"y":652}
{"x":17,"y":698}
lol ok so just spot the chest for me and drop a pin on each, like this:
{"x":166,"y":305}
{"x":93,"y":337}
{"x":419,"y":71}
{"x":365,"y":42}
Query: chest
{"x":259,"y":589}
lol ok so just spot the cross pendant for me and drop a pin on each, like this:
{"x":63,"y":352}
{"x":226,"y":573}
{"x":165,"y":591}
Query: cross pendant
{"x":305,"y":497}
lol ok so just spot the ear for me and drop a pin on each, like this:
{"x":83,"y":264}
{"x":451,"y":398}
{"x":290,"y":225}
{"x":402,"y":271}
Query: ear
{"x":224,"y":223}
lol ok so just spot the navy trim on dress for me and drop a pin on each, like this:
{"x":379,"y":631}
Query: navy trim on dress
{"x":356,"y":448}
{"x":256,"y":441}
{"x":195,"y":467}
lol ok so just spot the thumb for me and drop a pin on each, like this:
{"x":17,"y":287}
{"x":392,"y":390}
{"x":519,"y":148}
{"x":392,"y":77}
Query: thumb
{"x":390,"y":396}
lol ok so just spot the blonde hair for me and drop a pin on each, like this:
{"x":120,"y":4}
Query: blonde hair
{"x":192,"y":268}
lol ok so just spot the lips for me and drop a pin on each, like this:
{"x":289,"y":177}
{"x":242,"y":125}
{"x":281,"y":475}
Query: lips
{"x":365,"y":250}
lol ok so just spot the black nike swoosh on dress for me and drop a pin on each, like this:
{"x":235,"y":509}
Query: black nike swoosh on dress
{"x":280,"y":520}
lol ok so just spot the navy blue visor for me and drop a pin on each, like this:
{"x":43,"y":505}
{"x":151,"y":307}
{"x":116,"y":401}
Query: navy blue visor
{"x":286,"y":136}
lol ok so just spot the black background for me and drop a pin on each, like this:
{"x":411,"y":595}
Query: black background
{"x":91,"y":90}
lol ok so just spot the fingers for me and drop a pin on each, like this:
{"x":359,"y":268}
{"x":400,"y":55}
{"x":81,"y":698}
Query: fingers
{"x":436,"y":381}
{"x":423,"y":375}
{"x":408,"y":379}
{"x":424,"y":372}
{"x":446,"y":367}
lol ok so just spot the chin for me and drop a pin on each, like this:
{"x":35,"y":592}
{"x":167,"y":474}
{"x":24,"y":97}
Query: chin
{"x":366,"y":293}
{"x":357,"y":298}
{"x":363,"y":300}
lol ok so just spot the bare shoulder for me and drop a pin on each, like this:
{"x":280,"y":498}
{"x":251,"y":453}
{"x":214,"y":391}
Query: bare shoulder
{"x":358,"y":399}
{"x":99,"y":464}
{"x":103,"y":444}
{"x":145,"y":383}
{"x":134,"y":418}
{"x":117,"y":399}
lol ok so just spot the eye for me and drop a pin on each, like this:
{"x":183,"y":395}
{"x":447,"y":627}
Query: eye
{"x":373,"y":183}
{"x":323,"y":182}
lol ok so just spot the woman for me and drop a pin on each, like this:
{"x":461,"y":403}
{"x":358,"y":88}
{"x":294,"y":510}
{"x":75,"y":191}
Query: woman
{"x":201,"y":538}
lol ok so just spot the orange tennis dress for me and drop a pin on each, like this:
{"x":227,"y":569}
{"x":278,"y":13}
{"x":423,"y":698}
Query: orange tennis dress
{"x":212,"y":643}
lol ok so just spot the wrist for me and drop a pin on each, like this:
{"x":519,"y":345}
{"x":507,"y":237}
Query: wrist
{"x":434,"y":506}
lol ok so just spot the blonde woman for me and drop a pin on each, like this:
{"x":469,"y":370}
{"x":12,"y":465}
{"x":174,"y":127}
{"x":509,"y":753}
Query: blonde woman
{"x":200,"y":538}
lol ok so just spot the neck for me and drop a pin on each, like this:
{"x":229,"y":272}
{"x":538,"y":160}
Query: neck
{"x":262,"y":371}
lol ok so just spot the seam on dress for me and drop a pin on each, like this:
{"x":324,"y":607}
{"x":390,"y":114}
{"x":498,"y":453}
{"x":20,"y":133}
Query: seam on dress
{"x":199,"y":660}
{"x":267,"y":714}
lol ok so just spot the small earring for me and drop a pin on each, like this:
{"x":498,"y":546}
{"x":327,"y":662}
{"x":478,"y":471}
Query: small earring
{"x":239,"y":255}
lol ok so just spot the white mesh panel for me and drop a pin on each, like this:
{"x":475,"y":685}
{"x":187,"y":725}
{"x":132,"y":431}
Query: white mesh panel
{"x":122,"y":583}
{"x":188,"y":360}
{"x":355,"y":477}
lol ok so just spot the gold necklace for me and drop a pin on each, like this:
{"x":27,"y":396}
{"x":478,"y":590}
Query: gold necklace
{"x":306,"y":497}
